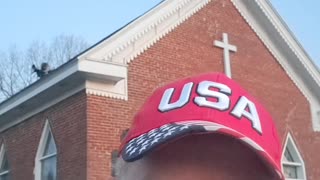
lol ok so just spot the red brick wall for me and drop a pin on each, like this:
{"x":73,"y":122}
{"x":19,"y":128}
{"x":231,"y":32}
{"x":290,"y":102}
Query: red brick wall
{"x":186,"y":51}
{"x":68,"y":124}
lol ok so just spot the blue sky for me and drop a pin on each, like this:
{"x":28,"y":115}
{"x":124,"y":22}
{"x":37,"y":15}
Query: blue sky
{"x":25,"y":21}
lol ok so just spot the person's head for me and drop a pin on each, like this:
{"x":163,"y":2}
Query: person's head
{"x":45,"y":68}
{"x":205,"y":127}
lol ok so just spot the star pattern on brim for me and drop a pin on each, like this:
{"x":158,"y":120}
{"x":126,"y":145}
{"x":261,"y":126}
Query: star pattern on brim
{"x":144,"y":143}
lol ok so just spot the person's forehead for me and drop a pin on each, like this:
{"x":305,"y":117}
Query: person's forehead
{"x":206,"y":156}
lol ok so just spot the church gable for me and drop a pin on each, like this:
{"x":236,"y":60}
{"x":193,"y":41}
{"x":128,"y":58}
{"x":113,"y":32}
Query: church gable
{"x":202,"y":43}
{"x":209,"y":21}
{"x":197,"y":46}
{"x":209,"y":42}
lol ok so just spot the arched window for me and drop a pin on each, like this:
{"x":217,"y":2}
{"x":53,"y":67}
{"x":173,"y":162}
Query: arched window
{"x":46,"y":159}
{"x":292,"y":162}
{"x":4,"y":165}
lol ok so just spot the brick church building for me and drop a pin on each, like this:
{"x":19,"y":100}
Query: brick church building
{"x":68,"y":124}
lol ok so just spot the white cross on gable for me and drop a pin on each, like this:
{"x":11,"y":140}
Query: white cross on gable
{"x":224,"y":44}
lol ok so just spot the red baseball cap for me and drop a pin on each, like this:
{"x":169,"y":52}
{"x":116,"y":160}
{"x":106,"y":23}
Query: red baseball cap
{"x":205,"y":103}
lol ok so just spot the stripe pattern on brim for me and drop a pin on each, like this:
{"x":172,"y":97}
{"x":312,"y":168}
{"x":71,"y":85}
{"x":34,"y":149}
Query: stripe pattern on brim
{"x":139,"y":146}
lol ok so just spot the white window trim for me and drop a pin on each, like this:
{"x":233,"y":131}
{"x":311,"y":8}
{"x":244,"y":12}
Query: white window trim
{"x":39,"y":156}
{"x":2,"y":153}
{"x":289,"y":143}
{"x":315,"y":116}
{"x":47,"y":156}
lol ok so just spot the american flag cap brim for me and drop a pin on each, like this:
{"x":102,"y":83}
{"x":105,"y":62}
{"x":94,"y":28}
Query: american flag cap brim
{"x":139,"y":146}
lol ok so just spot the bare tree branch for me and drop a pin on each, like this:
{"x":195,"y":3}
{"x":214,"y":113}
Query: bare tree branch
{"x":15,"y":65}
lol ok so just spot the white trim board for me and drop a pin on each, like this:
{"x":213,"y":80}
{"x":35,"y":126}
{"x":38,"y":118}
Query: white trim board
{"x":134,"y":39}
{"x":282,"y":44}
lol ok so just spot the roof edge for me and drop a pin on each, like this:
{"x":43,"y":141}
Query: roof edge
{"x":290,"y":39}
